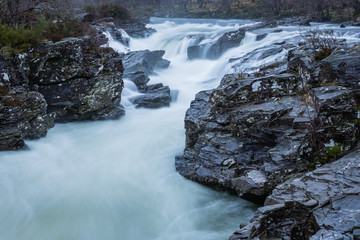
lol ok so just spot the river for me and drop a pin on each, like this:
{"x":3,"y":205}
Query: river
{"x":116,"y":180}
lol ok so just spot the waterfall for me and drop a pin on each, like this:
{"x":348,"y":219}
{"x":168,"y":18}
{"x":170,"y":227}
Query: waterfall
{"x":116,"y":180}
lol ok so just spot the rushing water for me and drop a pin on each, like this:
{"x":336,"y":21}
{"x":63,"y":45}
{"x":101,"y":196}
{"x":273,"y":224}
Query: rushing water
{"x":116,"y":180}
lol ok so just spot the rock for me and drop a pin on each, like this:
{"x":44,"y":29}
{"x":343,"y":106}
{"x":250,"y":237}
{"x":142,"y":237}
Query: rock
{"x":23,"y":113}
{"x":242,"y":126}
{"x":334,"y":190}
{"x":155,"y":96}
{"x":139,"y":78}
{"x":341,"y":68}
{"x":23,"y":116}
{"x":356,"y":24}
{"x":225,"y":42}
{"x":116,"y":33}
{"x":300,"y":61}
{"x":260,"y":37}
{"x":294,"y":21}
{"x":144,"y":61}
{"x":215,"y":50}
{"x":78,"y":80}
{"x":137,"y":30}
{"x":342,"y":26}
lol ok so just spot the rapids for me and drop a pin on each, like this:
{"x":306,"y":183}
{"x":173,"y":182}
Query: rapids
{"x":116,"y":180}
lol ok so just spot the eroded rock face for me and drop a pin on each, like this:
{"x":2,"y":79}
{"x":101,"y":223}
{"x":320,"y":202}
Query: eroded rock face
{"x":78,"y":80}
{"x":323,"y":204}
{"x":23,"y":113}
{"x":251,"y":134}
{"x":240,"y":136}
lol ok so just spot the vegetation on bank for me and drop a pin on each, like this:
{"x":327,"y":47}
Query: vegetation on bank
{"x":25,"y":26}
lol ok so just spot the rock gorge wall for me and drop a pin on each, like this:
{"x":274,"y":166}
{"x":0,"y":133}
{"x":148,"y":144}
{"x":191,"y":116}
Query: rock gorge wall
{"x":259,"y":136}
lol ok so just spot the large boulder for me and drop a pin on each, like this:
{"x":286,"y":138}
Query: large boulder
{"x":154,"y":96}
{"x":322,"y":204}
{"x":240,"y":136}
{"x":144,"y":61}
{"x":78,"y":80}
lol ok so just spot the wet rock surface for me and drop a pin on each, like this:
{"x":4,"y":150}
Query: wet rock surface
{"x":323,"y":204}
{"x":78,"y":80}
{"x":253,"y":134}
{"x":139,"y":65}
{"x":70,"y":80}
{"x":23,"y":113}
{"x":154,"y":96}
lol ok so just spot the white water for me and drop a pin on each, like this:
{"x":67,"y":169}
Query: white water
{"x":115,"y":180}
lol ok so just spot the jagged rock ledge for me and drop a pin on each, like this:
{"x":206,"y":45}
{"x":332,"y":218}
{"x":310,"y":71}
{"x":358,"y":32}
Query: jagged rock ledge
{"x":252,"y":135}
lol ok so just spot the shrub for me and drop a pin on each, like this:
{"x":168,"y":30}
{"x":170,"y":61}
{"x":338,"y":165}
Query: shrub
{"x":324,"y":42}
{"x":16,"y":39}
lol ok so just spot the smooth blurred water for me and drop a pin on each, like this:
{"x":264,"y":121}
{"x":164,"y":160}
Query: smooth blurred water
{"x":116,"y":180}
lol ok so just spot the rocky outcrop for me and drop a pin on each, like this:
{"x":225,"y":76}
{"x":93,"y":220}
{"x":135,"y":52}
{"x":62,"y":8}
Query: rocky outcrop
{"x":138,"y":66}
{"x":251,"y":134}
{"x":70,"y":80}
{"x":323,"y":204}
{"x":23,"y":113}
{"x":78,"y":80}
{"x":240,"y":136}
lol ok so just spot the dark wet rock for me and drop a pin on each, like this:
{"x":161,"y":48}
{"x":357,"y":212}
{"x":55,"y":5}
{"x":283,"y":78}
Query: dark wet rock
{"x":260,"y":37}
{"x":356,"y":24}
{"x":294,"y":21}
{"x":137,"y":30}
{"x":144,"y":61}
{"x":290,"y":220}
{"x":342,"y":26}
{"x":342,"y":69}
{"x":116,"y":33}
{"x":239,"y":137}
{"x":139,"y":78}
{"x":23,"y":113}
{"x":23,"y":116}
{"x":301,"y":61}
{"x":225,"y":42}
{"x":330,"y":197}
{"x":155,"y":96}
{"x":78,"y":80}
